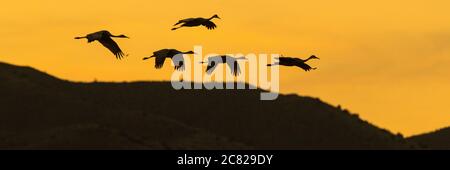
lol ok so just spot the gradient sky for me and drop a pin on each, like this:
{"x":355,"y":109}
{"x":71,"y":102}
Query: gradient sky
{"x":385,"y":60}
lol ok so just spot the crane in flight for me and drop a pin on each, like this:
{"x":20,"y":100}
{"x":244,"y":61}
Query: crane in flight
{"x":105,"y":38}
{"x":195,"y":22}
{"x":224,"y":59}
{"x":297,"y":62}
{"x":176,"y":56}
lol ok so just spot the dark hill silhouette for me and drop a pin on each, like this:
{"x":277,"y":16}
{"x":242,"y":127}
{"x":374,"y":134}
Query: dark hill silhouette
{"x":439,"y":139}
{"x":39,"y":110}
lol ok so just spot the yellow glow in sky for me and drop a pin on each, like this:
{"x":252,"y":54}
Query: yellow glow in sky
{"x":386,"y":60}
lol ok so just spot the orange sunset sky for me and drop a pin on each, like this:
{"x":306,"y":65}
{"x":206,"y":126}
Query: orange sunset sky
{"x":385,"y":60}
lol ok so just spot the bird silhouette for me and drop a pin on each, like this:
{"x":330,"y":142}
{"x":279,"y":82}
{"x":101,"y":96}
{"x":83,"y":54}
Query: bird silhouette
{"x":222,"y":59}
{"x":194,"y":22}
{"x":288,"y":61}
{"x":176,"y":56}
{"x":105,"y":38}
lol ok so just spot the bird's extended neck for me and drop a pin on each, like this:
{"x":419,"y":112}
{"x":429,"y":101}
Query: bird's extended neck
{"x":310,"y":58}
{"x":212,"y":18}
{"x":241,"y":58}
{"x":188,"y":52}
{"x":119,"y":36}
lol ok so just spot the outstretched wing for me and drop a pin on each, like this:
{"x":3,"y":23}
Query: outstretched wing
{"x":211,"y":67}
{"x":209,"y":24}
{"x":109,"y":43}
{"x":286,"y":60}
{"x":304,"y":66}
{"x":159,"y":61}
{"x":234,"y":66}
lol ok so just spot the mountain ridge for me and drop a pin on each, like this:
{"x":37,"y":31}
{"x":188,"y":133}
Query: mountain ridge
{"x":438,"y":139}
{"x":157,"y":116}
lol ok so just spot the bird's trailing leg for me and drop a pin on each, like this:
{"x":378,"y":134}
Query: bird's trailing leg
{"x":77,"y":38}
{"x":146,"y":58}
{"x":89,"y":40}
{"x":275,"y":64}
{"x":173,"y":29}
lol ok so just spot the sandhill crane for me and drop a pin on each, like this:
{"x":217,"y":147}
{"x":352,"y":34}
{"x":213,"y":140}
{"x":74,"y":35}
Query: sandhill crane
{"x":161,"y":56}
{"x":194,"y":22}
{"x":104,"y":37}
{"x":288,"y":61}
{"x":230,"y":61}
